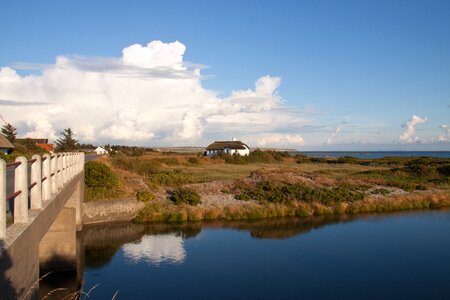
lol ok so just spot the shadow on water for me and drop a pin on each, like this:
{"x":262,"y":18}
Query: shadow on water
{"x":59,"y":285}
{"x":101,"y":242}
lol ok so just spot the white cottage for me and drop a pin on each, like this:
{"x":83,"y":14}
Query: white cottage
{"x":100,"y":151}
{"x":227,"y":147}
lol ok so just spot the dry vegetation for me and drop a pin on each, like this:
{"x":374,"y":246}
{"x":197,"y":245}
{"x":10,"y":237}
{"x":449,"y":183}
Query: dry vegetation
{"x":269,"y":184}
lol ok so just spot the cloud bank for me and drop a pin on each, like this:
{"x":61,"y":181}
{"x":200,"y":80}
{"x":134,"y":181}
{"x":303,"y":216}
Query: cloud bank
{"x":148,"y":96}
{"x":408,"y":136}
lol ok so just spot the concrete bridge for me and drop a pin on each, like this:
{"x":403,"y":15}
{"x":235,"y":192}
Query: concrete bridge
{"x":46,"y":211}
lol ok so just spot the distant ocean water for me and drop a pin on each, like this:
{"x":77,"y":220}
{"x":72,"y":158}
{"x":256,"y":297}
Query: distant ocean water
{"x":374,"y":154}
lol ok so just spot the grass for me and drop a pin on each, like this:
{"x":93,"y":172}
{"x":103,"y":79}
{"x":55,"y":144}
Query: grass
{"x":278,"y":185}
{"x":167,"y":212}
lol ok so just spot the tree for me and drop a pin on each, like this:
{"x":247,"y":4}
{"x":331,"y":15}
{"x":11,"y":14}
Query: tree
{"x":9,"y":132}
{"x":66,"y":142}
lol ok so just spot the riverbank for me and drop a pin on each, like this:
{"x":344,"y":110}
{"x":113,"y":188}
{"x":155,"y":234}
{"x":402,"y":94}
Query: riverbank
{"x":226,"y":208}
{"x":269,"y":184}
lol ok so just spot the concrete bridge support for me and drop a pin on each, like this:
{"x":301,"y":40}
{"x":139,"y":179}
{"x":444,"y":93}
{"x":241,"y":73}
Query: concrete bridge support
{"x":46,"y":238}
{"x":57,"y":249}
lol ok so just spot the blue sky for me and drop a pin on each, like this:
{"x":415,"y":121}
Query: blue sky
{"x":354,"y":72}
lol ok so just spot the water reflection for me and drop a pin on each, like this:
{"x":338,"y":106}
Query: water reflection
{"x":164,"y":243}
{"x":156,"y":249}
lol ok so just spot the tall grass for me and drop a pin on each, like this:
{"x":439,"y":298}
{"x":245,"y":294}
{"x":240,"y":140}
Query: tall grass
{"x":182,"y":213}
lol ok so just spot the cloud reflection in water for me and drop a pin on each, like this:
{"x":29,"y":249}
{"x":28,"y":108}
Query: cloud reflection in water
{"x":156,"y":249}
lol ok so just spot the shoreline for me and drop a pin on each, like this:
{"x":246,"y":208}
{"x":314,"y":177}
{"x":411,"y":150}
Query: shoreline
{"x":119,"y":210}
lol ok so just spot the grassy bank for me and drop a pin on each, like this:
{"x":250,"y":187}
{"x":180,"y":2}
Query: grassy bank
{"x":270,"y":184}
{"x":181,"y":213}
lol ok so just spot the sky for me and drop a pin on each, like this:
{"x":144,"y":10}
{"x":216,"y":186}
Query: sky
{"x":308,"y":75}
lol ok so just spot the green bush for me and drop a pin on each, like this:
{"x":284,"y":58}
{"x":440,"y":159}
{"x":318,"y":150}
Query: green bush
{"x":287,"y":193}
{"x":444,"y":170}
{"x":12,"y":156}
{"x":99,"y":175}
{"x":380,"y":191}
{"x":194,"y":160}
{"x":170,"y":178}
{"x":256,"y":156}
{"x":145,"y":196}
{"x":101,"y":182}
{"x":185,"y":195}
{"x":318,"y":160}
{"x":346,"y":160}
{"x":168,"y":160}
{"x":139,"y":166}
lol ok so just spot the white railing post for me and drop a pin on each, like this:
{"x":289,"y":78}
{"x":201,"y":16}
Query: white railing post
{"x":36,"y":177}
{"x":66,"y":171}
{"x":63,"y":168}
{"x":58,"y":174}
{"x":21,"y":184}
{"x":69,"y":166}
{"x":2,"y":199}
{"x":73,"y":165}
{"x":46,"y":185}
{"x":54,"y":187}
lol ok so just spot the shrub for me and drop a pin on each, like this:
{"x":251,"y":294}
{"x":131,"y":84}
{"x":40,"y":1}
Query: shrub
{"x":101,"y":182}
{"x":145,"y":196}
{"x":170,"y":178}
{"x":194,"y":160}
{"x":256,"y":156}
{"x":139,"y":166}
{"x":168,"y":160}
{"x":444,"y":170}
{"x":346,"y":160}
{"x":416,"y":168}
{"x":99,"y":175}
{"x":380,"y":191}
{"x":318,"y":159}
{"x":287,"y":193}
{"x":12,"y":157}
{"x":185,"y":195}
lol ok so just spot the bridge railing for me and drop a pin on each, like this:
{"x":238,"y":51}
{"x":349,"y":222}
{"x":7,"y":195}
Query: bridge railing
{"x":35,"y":181}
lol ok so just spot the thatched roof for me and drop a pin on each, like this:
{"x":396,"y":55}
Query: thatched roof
{"x":4,"y":143}
{"x":220,"y":145}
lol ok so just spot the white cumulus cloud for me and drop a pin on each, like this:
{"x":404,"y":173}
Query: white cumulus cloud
{"x":408,"y":136}
{"x":446,"y":136}
{"x":148,"y":96}
{"x":332,"y":136}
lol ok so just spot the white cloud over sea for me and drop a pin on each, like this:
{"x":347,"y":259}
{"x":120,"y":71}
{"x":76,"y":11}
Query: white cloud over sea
{"x":408,"y":136}
{"x":149,"y":95}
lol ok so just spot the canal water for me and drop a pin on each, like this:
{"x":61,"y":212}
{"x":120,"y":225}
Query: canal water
{"x":389,"y":256}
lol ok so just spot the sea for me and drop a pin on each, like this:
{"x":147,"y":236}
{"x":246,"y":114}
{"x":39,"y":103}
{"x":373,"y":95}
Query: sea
{"x":374,"y":154}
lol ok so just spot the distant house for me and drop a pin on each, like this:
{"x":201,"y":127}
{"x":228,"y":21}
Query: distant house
{"x":46,"y":147}
{"x":41,"y":143}
{"x":227,"y":147}
{"x":100,"y":151}
{"x":5,"y":146}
